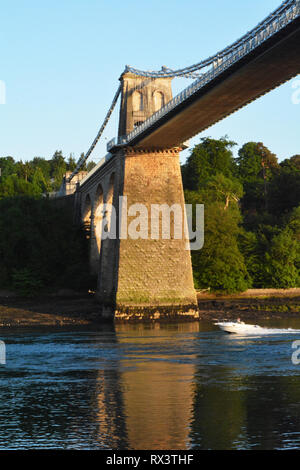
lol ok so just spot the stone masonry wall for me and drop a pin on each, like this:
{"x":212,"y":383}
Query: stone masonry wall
{"x":154,"y":272}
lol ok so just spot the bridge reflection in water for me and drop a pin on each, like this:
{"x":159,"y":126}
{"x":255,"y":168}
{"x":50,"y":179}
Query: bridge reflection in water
{"x":175,"y":386}
{"x":158,"y":392}
{"x":176,"y":392}
{"x":150,"y":399}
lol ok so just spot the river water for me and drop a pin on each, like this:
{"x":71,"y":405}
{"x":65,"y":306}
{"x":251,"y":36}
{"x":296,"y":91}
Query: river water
{"x":175,"y":386}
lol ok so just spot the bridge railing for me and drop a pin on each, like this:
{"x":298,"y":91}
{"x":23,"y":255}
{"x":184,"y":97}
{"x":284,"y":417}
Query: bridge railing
{"x":96,"y":167}
{"x":254,"y":40}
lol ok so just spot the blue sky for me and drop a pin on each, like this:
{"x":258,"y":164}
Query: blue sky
{"x":61,"y":60}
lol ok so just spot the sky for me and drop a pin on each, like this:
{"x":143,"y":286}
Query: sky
{"x":61,"y":60}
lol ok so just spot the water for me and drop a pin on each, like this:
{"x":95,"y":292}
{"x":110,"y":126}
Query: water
{"x":176,"y":386}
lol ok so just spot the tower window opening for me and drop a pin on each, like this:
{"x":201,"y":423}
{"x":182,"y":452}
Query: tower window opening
{"x":159,"y":100}
{"x":137,"y":101}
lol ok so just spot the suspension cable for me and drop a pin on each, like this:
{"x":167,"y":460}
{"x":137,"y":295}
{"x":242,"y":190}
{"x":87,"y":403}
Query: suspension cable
{"x":190,"y":71}
{"x":84,"y":158}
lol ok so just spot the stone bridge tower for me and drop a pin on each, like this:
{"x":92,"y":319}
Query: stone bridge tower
{"x":143,"y":272}
{"x":141,"y":97}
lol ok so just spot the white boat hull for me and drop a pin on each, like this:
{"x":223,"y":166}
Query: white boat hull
{"x":239,"y":328}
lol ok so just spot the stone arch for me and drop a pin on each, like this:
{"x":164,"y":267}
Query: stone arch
{"x":87,"y":211}
{"x":109,"y":201}
{"x":88,"y":220}
{"x":107,"y":244}
{"x":137,"y":101}
{"x":98,"y":215}
{"x":110,"y":192}
{"x":158,"y":100}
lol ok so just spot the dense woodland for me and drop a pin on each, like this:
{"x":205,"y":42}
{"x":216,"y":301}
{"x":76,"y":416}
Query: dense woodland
{"x":252,"y":216}
{"x":40,"y":248}
{"x":35,"y":177}
{"x":252,"y":221}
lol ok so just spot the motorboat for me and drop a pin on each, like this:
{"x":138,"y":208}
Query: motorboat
{"x":239,"y":327}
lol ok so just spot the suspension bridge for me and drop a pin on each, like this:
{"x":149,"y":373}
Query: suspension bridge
{"x":138,"y":278}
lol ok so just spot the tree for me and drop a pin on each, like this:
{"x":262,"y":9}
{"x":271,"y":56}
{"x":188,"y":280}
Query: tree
{"x":292,"y":163}
{"x":220,"y":264}
{"x":13,"y":186}
{"x":24,"y":170}
{"x":253,"y":246}
{"x":40,"y":246}
{"x":256,"y":166}
{"x":207,"y":159}
{"x":71,"y":163}
{"x":7,"y":166}
{"x":294,"y":225}
{"x":227,"y":190}
{"x":43,"y":165}
{"x":209,"y":178}
{"x":58,"y":169}
{"x":39,"y":181}
{"x":284,"y":191}
{"x":90,"y":165}
{"x":255,"y":160}
{"x":281,"y":261}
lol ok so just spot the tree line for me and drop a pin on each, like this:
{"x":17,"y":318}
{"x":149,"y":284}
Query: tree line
{"x":40,"y":248}
{"x":36,"y":177}
{"x":252,"y":216}
{"x":252,"y":221}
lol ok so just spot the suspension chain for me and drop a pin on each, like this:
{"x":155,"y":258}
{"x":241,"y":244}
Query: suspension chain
{"x":84,"y":158}
{"x":191,"y":71}
{"x":188,"y":72}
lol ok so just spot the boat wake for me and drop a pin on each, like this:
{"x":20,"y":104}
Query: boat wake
{"x":241,"y":328}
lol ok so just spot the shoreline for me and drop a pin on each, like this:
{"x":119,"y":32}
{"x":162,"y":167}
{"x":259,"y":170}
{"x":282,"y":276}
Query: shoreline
{"x":253,"y":304}
{"x":48,"y":311}
{"x":78,"y":309}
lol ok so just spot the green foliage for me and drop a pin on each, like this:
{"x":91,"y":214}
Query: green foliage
{"x":284,"y":190}
{"x":225,"y":189}
{"x":207,"y":159}
{"x":252,"y":216}
{"x":294,"y":225}
{"x":7,"y":165}
{"x":294,"y":222}
{"x":252,"y":221}
{"x":220,"y":264}
{"x":12,"y":185}
{"x":256,"y":167}
{"x":292,"y":163}
{"x":40,"y":246}
{"x":90,"y":165}
{"x":26,"y":282}
{"x":254,"y":246}
{"x":281,"y":261}
{"x":35,"y":177}
{"x":71,"y":163}
{"x":255,"y":161}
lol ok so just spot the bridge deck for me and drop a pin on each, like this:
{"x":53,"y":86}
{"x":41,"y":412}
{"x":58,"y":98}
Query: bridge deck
{"x":271,"y":64}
